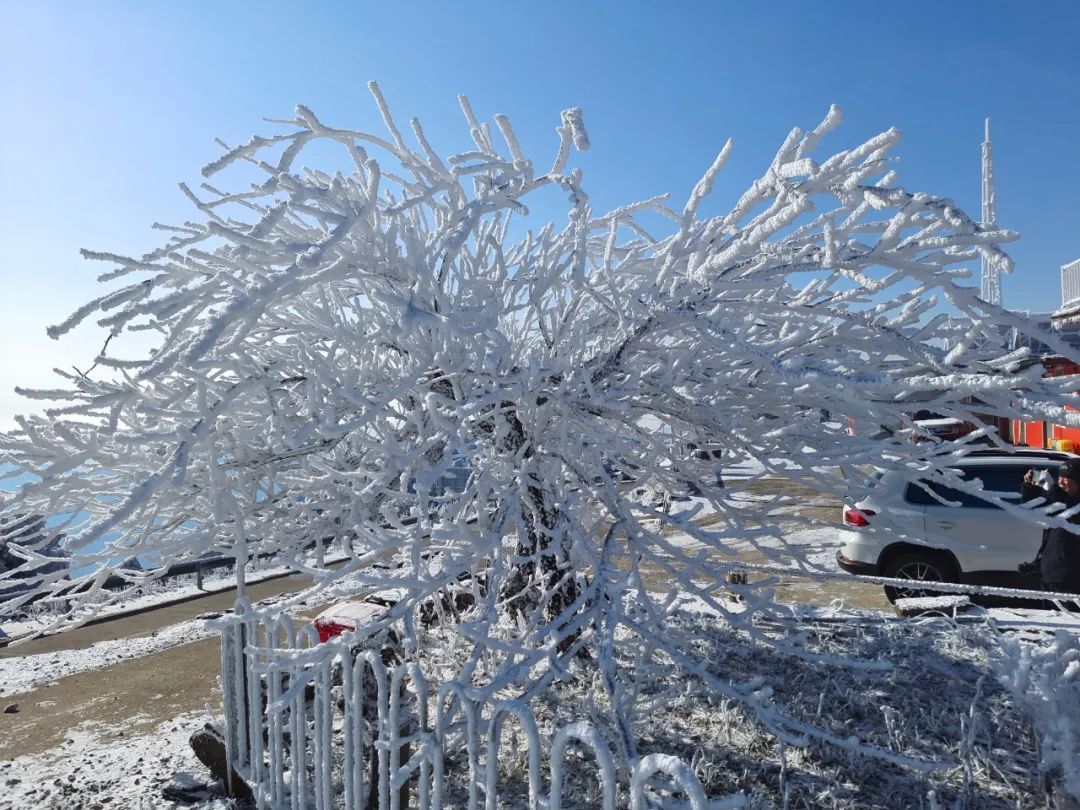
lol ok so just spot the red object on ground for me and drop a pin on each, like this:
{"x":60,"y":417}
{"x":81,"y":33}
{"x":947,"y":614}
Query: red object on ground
{"x":345,"y":617}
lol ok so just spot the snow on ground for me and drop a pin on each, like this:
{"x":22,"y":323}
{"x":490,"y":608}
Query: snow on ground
{"x":19,"y":674}
{"x":23,"y":673}
{"x":735,"y":475}
{"x":167,"y":591}
{"x":155,"y":594}
{"x":816,"y":547}
{"x":103,"y":767}
{"x":742,"y":470}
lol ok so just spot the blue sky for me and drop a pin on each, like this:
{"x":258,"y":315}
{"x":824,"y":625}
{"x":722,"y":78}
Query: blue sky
{"x":107,"y":105}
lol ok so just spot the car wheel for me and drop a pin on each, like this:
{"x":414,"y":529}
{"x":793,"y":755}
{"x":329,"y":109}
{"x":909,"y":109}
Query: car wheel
{"x":916,"y":565}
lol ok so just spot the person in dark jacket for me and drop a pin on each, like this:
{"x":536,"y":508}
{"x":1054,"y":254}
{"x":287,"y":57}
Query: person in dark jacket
{"x":1059,"y":557}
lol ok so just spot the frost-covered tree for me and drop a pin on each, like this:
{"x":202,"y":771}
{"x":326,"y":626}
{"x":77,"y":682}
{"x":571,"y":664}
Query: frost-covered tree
{"x":333,"y":346}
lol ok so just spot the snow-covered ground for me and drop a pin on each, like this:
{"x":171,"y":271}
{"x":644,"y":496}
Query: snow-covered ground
{"x":23,"y":673}
{"x":103,"y":767}
{"x":816,"y":547}
{"x":39,"y":619}
{"x":940,"y":678}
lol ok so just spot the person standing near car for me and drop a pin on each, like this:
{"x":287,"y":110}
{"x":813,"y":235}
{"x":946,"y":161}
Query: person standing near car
{"x":1058,"y":559}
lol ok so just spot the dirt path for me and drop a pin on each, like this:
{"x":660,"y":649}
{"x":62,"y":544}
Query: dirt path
{"x":823,"y":512}
{"x":127,"y":698}
{"x":130,"y":697}
{"x":142,"y":624}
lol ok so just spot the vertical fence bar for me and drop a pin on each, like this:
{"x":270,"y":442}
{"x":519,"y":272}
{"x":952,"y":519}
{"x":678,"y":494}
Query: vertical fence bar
{"x":371,"y":659}
{"x":229,"y":696}
{"x":420,"y":700}
{"x":586,"y":734}
{"x":455,"y":691}
{"x":298,"y":722}
{"x":322,"y":736}
{"x":532,"y":734}
{"x":423,"y":793}
{"x":275,"y":720}
{"x":319,"y":745}
{"x":681,"y":773}
{"x":275,"y":725}
{"x":240,"y":675}
{"x":348,"y":728}
{"x":394,"y":736}
{"x":253,"y":702}
{"x":326,"y":707}
{"x":367,"y":782}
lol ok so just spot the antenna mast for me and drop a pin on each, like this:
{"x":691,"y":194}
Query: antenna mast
{"x":990,"y":286}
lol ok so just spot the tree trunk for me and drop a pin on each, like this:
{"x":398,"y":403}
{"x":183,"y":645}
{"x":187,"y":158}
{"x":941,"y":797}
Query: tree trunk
{"x":542,"y":568}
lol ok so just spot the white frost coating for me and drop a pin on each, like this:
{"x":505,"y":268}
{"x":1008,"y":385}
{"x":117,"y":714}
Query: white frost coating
{"x":933,"y":603}
{"x":398,"y":774}
{"x":589,"y":736}
{"x":1046,"y":681}
{"x":575,"y":120}
{"x":370,"y":659}
{"x":532,"y":738}
{"x":831,"y":121}
{"x":393,"y":360}
{"x":457,"y":693}
{"x":679,"y":771}
{"x":705,"y":185}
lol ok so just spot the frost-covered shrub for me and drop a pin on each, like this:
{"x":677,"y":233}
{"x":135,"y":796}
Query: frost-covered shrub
{"x":335,"y":344}
{"x":1044,"y":679}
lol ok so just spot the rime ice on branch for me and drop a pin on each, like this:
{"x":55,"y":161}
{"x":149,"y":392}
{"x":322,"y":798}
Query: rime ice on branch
{"x":336,"y":344}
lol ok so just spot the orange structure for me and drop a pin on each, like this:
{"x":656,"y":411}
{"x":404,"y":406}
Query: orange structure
{"x":1047,"y":434}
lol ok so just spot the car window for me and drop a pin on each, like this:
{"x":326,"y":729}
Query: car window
{"x":1003,"y":479}
{"x":920,"y":494}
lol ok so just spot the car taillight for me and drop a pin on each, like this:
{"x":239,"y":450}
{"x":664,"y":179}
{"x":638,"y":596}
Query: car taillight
{"x":857,"y":517}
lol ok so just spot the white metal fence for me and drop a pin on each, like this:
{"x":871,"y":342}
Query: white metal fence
{"x":326,"y":726}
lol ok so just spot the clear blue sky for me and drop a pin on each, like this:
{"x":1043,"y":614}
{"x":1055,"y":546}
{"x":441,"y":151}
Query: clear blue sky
{"x":106,"y":105}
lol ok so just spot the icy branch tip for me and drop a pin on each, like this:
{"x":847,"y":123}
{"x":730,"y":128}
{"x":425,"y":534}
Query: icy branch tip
{"x":574,"y":119}
{"x":833,"y":119}
{"x":308,"y":117}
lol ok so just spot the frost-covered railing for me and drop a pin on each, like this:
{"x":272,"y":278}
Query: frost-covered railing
{"x":312,"y":725}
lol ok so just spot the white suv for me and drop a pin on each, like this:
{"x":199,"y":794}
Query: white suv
{"x":902,"y":530}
